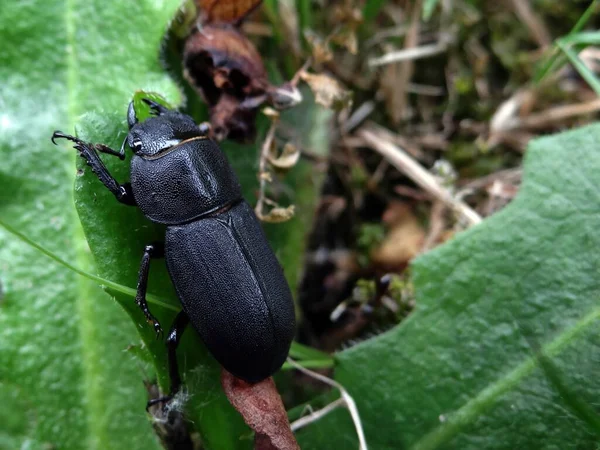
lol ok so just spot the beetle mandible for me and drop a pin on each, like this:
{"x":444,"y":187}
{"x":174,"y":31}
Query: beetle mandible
{"x":228,"y":280}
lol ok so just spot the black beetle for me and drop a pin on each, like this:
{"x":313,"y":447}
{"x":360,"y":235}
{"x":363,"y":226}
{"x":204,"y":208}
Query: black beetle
{"x":230,"y":284}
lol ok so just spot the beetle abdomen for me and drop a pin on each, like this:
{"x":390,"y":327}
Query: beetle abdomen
{"x":233,"y":290}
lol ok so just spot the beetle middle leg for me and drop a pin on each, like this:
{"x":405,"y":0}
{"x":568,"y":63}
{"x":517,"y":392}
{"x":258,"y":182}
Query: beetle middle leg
{"x":179,"y":324}
{"x":156,"y":250}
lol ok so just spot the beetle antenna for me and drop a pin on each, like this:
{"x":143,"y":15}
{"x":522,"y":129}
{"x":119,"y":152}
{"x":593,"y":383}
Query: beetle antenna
{"x":155,"y":107}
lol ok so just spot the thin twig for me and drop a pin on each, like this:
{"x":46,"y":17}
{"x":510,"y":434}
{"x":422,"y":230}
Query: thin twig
{"x":410,"y":54}
{"x":263,"y":175}
{"x":411,"y":168}
{"x":543,"y":119}
{"x":316,"y":415}
{"x":346,"y":397}
{"x":559,"y":113}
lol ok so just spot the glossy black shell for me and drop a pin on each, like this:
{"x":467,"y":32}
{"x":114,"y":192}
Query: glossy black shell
{"x":184,"y":183}
{"x":233,"y":290}
{"x":226,"y":276}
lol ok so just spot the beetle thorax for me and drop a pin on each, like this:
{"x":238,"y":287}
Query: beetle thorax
{"x":184,"y":182}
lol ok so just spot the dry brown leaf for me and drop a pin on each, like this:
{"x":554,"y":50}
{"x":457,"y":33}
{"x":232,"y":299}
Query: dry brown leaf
{"x":278,"y":214}
{"x":226,"y":11}
{"x":320,"y":51}
{"x":347,"y":39}
{"x":328,"y":91}
{"x":262,"y":409}
{"x":404,"y":239}
{"x":228,"y":72}
{"x":287,"y":159}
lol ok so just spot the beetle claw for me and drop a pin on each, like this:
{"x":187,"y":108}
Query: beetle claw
{"x":60,"y":135}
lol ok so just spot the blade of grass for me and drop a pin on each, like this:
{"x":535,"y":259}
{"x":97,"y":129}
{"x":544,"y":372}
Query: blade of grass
{"x":553,"y":62}
{"x":583,"y":70}
{"x":310,"y":364}
{"x":305,"y":15}
{"x":583,"y":38}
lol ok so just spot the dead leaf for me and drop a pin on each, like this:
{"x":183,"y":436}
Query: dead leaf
{"x":262,"y":409}
{"x":287,"y":159}
{"x":347,"y":39}
{"x":328,"y":91}
{"x":228,"y":72}
{"x":278,"y":214}
{"x":320,"y":50}
{"x":404,"y":239}
{"x":225,"y":11}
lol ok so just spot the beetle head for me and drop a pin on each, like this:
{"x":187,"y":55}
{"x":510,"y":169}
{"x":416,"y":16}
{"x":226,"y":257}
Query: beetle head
{"x":167,"y":128}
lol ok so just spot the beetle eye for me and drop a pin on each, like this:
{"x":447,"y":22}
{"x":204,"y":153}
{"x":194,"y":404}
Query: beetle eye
{"x":136,"y":145}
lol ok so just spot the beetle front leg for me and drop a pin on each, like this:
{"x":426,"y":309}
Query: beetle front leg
{"x":179,"y":324}
{"x":151,"y":251}
{"x":89,"y":152}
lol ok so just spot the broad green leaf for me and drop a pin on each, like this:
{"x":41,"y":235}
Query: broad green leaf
{"x":64,"y":368}
{"x":460,"y":372}
{"x":65,"y":379}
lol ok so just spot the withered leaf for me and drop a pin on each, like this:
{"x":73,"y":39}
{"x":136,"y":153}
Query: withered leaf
{"x":347,"y":38}
{"x":328,"y":91}
{"x":228,"y":72}
{"x":320,"y":50}
{"x":287,"y":159}
{"x":262,"y":409}
{"x":225,"y":68}
{"x":278,"y":214}
{"x":225,"y":11}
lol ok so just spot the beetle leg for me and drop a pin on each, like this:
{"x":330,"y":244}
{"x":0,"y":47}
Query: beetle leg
{"x":89,"y":152}
{"x":179,"y":324}
{"x":151,"y":251}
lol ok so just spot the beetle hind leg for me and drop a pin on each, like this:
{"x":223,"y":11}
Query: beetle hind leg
{"x":179,"y":324}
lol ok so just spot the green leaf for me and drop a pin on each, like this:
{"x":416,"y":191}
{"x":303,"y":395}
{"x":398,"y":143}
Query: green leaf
{"x":459,"y":373}
{"x":76,"y":66}
{"x":64,"y":376}
{"x":580,"y":66}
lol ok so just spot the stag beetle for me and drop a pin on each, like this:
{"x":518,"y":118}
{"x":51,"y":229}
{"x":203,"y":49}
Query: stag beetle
{"x":228,"y":280}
